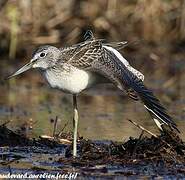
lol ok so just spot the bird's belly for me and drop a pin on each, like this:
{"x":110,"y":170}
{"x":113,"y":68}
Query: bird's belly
{"x":72,"y":82}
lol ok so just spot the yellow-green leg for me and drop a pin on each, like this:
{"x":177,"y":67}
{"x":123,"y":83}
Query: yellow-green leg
{"x":75,"y":125}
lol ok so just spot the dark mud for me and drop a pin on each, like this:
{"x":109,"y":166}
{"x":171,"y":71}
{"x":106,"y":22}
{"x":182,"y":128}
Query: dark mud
{"x":138,"y":157}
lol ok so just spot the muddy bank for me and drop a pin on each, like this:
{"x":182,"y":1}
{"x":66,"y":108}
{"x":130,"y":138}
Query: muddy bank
{"x":143,"y":156}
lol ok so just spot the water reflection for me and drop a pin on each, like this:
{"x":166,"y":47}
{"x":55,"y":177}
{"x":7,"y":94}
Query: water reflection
{"x":30,"y":104}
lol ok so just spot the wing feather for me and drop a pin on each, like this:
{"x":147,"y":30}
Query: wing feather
{"x":94,"y":57}
{"x":152,"y":104}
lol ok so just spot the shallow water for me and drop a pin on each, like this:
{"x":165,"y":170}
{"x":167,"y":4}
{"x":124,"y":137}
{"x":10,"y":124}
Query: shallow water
{"x":31,"y":107}
{"x":34,"y":160}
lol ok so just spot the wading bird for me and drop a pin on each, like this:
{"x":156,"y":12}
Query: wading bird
{"x":81,"y":66}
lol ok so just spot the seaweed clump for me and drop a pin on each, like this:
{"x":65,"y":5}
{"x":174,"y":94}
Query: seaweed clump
{"x":166,"y":151}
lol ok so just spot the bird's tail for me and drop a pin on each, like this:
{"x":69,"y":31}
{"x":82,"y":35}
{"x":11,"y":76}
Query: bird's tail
{"x":153,"y":105}
{"x":130,"y":79}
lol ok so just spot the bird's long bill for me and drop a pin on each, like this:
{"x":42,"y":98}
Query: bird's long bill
{"x":21,"y":70}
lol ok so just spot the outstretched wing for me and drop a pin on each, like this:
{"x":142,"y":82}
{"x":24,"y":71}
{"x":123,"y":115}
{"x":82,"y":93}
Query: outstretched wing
{"x":96,"y":57}
{"x":87,"y":54}
{"x":88,"y":35}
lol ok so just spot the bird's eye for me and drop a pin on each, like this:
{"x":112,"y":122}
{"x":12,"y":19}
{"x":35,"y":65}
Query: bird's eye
{"x":42,"y":54}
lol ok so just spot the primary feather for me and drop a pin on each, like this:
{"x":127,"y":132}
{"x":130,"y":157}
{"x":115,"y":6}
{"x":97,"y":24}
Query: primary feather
{"x":94,"y":56}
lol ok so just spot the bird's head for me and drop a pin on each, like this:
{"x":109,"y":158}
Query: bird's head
{"x":43,"y":58}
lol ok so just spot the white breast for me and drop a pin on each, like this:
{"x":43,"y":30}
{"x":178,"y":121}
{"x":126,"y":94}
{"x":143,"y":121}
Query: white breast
{"x":73,"y":81}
